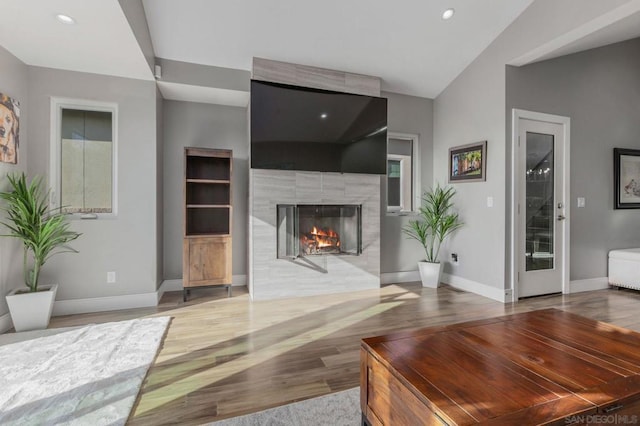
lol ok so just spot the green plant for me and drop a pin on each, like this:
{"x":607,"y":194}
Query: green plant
{"x":43,"y":232}
{"x":436,"y":222}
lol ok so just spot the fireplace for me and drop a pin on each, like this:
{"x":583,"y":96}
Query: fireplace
{"x":318,"y":229}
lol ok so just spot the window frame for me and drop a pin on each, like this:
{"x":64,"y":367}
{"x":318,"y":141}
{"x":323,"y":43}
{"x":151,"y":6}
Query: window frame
{"x":55,"y":174}
{"x":416,"y":187}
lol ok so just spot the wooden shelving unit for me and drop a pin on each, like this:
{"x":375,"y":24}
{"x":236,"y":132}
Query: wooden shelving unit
{"x":207,"y":219}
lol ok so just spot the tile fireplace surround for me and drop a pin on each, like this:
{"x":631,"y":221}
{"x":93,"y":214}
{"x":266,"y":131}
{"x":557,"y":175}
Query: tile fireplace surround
{"x":270,"y":277}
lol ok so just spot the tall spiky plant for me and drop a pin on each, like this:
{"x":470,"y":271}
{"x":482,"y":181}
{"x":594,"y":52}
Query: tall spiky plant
{"x":436,"y":222}
{"x":43,"y":232}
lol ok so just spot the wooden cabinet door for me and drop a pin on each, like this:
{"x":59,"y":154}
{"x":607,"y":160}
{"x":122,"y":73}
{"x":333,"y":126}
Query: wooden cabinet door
{"x":207,"y":261}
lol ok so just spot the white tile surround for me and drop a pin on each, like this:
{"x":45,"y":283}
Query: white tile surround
{"x":271,"y":278}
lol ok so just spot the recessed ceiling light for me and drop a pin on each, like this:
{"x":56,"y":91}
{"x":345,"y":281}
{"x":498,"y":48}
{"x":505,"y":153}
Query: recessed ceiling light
{"x":65,"y":19}
{"x":324,"y":115}
{"x":448,"y":14}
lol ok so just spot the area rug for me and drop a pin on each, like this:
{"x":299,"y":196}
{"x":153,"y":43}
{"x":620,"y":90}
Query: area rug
{"x":336,"y":409}
{"x":85,"y":376}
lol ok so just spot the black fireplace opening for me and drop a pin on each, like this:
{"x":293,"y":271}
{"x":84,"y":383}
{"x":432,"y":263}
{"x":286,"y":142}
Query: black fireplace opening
{"x":319,"y":229}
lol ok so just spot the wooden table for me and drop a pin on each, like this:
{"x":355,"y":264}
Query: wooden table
{"x":540,"y":367}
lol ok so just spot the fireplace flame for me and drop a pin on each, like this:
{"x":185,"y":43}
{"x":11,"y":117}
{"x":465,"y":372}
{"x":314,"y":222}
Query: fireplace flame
{"x":319,"y":241}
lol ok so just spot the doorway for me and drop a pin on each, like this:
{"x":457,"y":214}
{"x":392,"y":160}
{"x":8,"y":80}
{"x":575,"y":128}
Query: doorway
{"x":540,"y":182}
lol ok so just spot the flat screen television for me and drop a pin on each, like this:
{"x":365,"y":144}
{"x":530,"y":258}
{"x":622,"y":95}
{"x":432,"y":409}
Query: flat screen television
{"x":299,"y":128}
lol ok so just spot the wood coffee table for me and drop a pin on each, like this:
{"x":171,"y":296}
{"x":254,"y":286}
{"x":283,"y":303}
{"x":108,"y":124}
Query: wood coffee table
{"x":541,"y":367}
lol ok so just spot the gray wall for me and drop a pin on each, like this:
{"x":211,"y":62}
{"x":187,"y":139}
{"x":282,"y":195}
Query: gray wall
{"x":159,"y":188}
{"x":216,"y":126}
{"x":204,"y":75}
{"x":134,"y":12}
{"x":126,"y":244}
{"x":471,"y":109}
{"x":208,"y":126}
{"x":600,"y":91}
{"x":407,"y":114}
{"x":13,"y":82}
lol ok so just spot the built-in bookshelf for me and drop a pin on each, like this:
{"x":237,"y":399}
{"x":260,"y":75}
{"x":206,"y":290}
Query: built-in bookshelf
{"x":207,"y":218}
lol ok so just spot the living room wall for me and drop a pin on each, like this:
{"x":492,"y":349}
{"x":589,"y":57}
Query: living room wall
{"x":472,"y":108}
{"x":126,"y":244}
{"x":599,"y":90}
{"x":207,"y":126}
{"x":225,"y":127}
{"x":414,"y":115}
{"x":13,"y":82}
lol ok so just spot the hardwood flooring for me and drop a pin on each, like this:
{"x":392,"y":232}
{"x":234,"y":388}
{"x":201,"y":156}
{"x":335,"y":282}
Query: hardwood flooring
{"x":224,"y":357}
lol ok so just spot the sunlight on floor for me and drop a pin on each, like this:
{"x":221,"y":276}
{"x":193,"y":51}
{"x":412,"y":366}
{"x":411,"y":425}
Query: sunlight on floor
{"x":183,"y":387}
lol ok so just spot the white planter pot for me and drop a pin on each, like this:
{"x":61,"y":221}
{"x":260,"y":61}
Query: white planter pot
{"x":31,"y":311}
{"x":430,"y":273}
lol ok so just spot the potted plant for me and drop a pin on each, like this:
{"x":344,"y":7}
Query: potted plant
{"x":43,"y":233}
{"x":435,"y":224}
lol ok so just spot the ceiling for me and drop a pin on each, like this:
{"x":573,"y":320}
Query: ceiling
{"x":100,"y":42}
{"x":411,"y":47}
{"x":405,"y":43}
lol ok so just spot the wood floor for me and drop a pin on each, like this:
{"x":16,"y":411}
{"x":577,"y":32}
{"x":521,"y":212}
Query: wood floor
{"x":224,"y":357}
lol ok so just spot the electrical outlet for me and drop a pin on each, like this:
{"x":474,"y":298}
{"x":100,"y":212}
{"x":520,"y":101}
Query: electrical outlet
{"x":454,"y":257}
{"x":111,"y":277}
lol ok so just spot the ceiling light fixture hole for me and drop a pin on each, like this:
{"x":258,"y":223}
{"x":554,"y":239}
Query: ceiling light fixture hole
{"x":448,"y":14}
{"x":65,"y":19}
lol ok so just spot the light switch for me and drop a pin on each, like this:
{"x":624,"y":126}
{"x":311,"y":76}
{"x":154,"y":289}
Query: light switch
{"x":489,"y":201}
{"x":581,"y":201}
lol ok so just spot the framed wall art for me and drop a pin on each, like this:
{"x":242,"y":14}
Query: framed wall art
{"x":467,"y":163}
{"x":626,"y":178}
{"x":9,"y":129}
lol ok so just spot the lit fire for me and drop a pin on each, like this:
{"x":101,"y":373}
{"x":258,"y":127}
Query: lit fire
{"x":320,"y":241}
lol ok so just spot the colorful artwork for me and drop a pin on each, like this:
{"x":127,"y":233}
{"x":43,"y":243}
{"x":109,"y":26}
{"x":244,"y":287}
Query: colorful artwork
{"x":9,"y":129}
{"x":467,"y":162}
{"x":626,"y":166}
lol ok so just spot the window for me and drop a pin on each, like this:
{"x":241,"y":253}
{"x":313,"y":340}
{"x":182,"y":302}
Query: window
{"x":403,"y":173}
{"x":83,"y":157}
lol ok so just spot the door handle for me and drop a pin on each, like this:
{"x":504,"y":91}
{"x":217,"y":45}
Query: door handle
{"x":561,"y":217}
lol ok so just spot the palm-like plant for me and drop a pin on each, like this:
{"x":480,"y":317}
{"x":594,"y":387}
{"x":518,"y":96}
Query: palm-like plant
{"x":43,"y":232}
{"x":436,"y":222}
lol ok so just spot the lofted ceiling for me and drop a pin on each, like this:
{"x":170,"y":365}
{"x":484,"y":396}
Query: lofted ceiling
{"x":405,"y":43}
{"x":100,"y":42}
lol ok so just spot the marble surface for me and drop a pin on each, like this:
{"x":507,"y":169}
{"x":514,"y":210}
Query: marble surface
{"x":336,"y":409}
{"x":79,"y":376}
{"x":273,"y":278}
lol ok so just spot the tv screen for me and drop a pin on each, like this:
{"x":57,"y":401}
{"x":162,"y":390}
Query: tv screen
{"x":299,"y":128}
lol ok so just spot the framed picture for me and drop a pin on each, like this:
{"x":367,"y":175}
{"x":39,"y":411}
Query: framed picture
{"x":9,"y":129}
{"x":467,"y":163}
{"x":626,"y":178}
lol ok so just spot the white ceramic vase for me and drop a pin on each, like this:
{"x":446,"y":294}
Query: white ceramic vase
{"x":31,"y":311}
{"x":430,"y":273}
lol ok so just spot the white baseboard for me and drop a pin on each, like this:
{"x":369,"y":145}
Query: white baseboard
{"x":169,"y":285}
{"x":108,"y":303}
{"x":176,"y":285}
{"x":590,"y":284}
{"x":399,"y":277}
{"x":5,"y":323}
{"x":501,"y":295}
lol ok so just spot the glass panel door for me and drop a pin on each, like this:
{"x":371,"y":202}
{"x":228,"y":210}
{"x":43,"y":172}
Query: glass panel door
{"x":539,"y":187}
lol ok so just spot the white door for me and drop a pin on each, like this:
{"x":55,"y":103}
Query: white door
{"x":541,"y":207}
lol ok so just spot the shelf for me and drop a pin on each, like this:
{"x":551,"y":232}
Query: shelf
{"x":207,"y":234}
{"x":207,"y":248}
{"x":208,"y":168}
{"x":218,"y":181}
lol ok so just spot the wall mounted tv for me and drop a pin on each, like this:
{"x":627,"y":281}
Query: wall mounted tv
{"x":299,"y":128}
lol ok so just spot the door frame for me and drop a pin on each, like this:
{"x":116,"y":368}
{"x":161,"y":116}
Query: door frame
{"x":565,"y":122}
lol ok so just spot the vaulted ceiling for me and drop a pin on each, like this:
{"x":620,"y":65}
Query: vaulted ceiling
{"x":406,"y":43}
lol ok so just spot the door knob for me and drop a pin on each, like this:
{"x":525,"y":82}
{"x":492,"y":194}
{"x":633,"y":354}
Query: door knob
{"x":561,"y":217}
